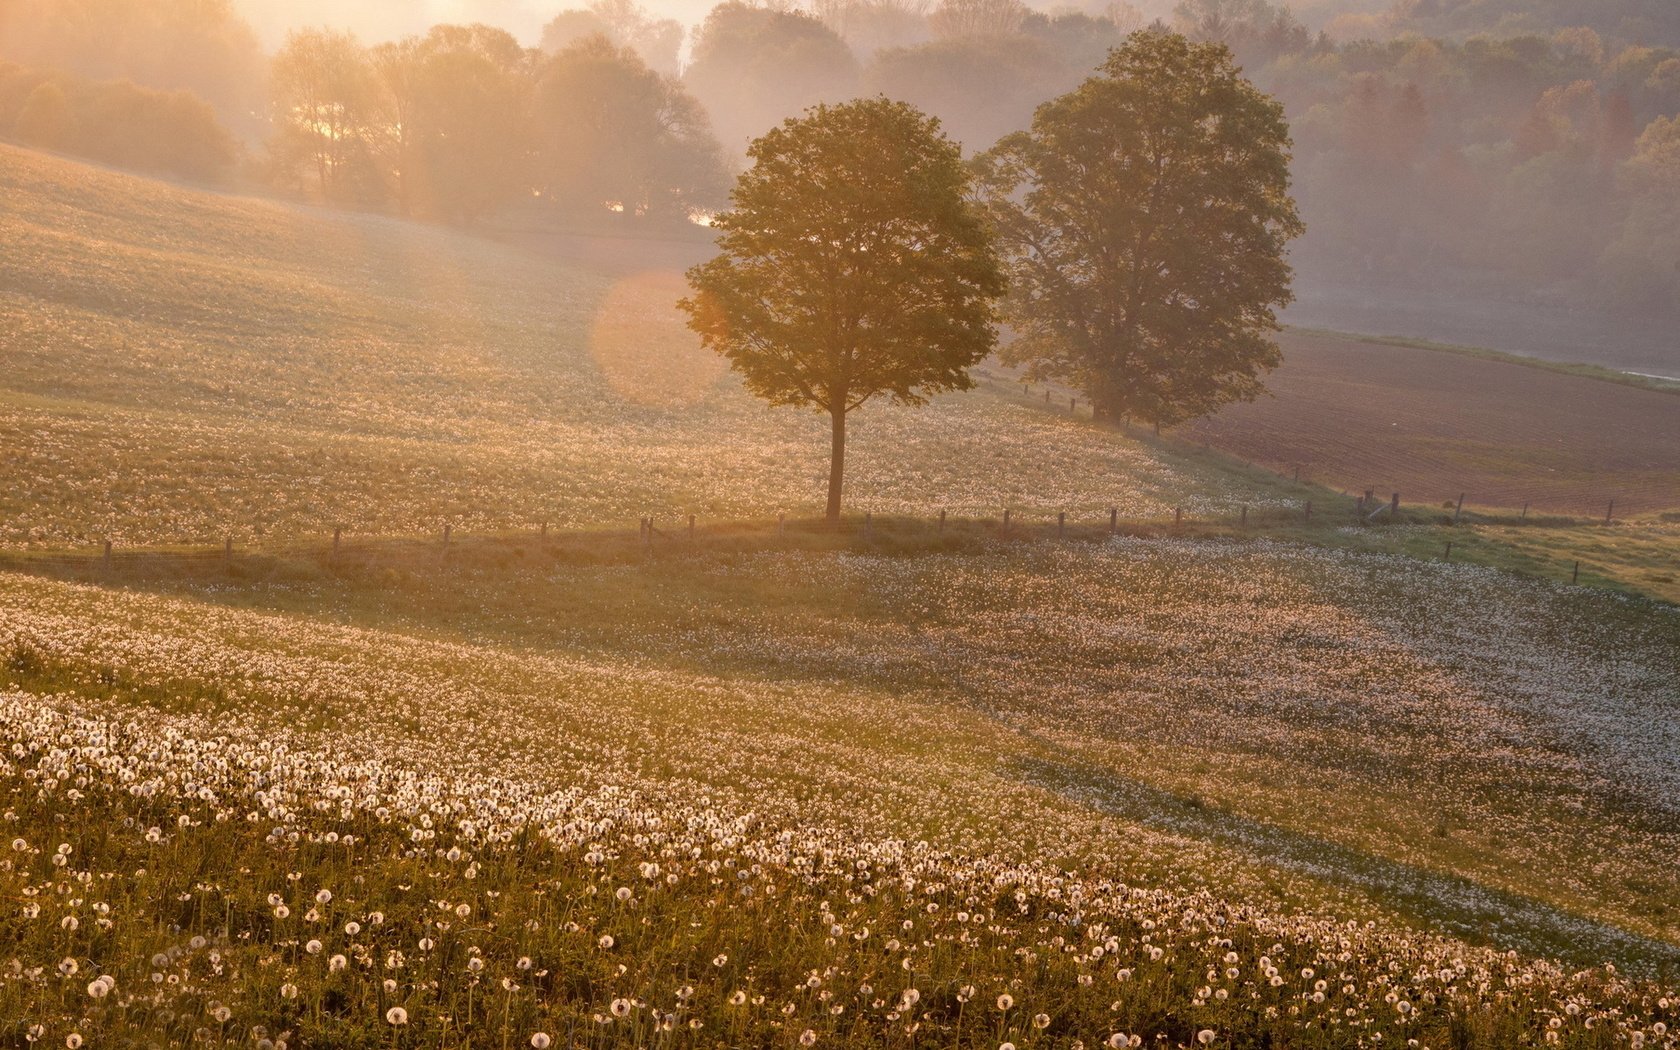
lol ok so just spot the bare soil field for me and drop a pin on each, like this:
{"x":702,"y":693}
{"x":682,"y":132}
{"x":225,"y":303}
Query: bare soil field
{"x":1431,"y":425}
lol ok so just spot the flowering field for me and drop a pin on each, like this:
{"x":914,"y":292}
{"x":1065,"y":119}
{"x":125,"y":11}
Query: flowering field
{"x":949,"y":791}
{"x":1145,"y":788}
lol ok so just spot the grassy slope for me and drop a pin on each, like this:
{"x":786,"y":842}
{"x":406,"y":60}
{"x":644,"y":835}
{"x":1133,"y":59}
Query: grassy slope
{"x":1343,"y":732}
{"x":1089,"y":705}
{"x":184,"y":366}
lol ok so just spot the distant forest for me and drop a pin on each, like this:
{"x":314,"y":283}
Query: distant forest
{"x":1519,"y":147}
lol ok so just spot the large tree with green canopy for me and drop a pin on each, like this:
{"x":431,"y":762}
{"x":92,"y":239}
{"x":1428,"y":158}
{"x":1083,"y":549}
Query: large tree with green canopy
{"x":1145,"y":217}
{"x":855,"y":264}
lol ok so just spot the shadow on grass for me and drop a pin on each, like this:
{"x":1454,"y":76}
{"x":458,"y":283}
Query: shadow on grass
{"x":1450,"y":904}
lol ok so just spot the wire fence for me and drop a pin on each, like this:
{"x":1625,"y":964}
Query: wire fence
{"x":655,"y":534}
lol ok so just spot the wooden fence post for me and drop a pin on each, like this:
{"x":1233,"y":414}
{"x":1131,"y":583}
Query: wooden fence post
{"x":1575,"y":577}
{"x":107,"y":555}
{"x":544,"y":534}
{"x":1006,"y":519}
{"x":1459,"y":510}
{"x":338,"y":531}
{"x":941,"y":521}
{"x":868,"y":522}
{"x":1061,"y":524}
{"x":1113,"y":520}
{"x":446,"y":528}
{"x":691,"y":526}
{"x":1525,"y":510}
{"x":1309,"y":510}
{"x":1449,"y":550}
{"x":1178,"y":516}
{"x":1610,"y":514}
{"x":227,"y":548}
{"x":1394,"y":506}
{"x":1245,"y":516}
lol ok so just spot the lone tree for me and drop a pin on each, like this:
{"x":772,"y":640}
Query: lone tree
{"x":854,"y":264}
{"x":1144,"y":218}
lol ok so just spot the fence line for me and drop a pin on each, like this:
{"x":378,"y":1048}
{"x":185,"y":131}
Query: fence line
{"x":689,"y":533}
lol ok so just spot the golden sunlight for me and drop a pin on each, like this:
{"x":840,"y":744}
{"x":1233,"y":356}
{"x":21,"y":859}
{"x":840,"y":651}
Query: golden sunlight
{"x":642,"y":347}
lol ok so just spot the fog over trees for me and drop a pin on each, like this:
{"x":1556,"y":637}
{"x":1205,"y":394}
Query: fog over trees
{"x":1515,"y":149}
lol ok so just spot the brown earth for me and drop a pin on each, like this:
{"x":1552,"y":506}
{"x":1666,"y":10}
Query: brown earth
{"x":1432,"y":424}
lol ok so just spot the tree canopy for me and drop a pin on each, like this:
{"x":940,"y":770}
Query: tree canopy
{"x":609,"y":129}
{"x":116,"y":122}
{"x":854,"y":264}
{"x":1145,"y":217}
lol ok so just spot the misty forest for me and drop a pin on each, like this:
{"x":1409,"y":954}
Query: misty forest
{"x":1522,"y":151}
{"x":973,"y":524}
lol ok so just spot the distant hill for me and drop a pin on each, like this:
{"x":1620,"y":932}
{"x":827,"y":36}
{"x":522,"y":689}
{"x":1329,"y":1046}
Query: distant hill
{"x":1647,"y":22}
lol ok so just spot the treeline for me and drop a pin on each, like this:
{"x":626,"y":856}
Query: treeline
{"x":1538,"y":166}
{"x":464,"y":121}
{"x":115,"y":122}
{"x":1537,"y":159}
{"x":201,"y":46}
{"x":1645,"y":21}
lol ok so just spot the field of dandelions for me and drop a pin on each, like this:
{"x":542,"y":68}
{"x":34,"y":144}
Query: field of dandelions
{"x":1176,"y":793}
{"x":1108,"y":792}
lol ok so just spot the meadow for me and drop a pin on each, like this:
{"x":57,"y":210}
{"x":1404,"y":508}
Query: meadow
{"x":182,"y":366}
{"x":1285,"y":784}
{"x":1063,"y":739}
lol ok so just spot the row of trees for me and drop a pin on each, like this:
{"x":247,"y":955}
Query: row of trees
{"x":1652,"y":21}
{"x":1134,"y":237}
{"x":1527,"y":163}
{"x":464,"y":121}
{"x":168,"y":132}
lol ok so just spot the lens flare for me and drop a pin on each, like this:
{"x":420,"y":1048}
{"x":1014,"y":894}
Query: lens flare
{"x":642,"y":346}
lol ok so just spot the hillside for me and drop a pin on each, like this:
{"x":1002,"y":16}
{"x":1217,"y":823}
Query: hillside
{"x":214,"y":345}
{"x":1251,"y":780}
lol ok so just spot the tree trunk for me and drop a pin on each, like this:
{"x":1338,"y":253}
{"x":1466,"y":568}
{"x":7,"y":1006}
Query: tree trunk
{"x":1105,"y":409}
{"x":836,"y":464}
